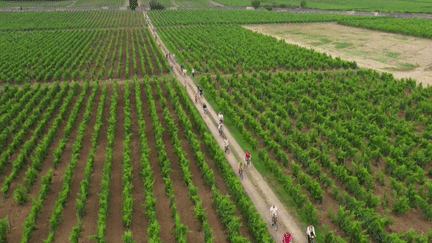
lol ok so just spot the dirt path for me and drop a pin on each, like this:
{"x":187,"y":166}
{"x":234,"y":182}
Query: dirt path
{"x":403,"y":56}
{"x":253,"y":183}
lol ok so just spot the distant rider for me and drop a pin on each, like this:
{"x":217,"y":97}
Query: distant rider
{"x":273,"y":210}
{"x":310,"y":232}
{"x":247,"y":157}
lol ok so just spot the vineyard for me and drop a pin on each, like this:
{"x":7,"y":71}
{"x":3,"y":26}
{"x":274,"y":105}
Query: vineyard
{"x":132,"y":160}
{"x":53,"y":20}
{"x":233,"y":16}
{"x":367,"y":152}
{"x":407,"y":26}
{"x":351,"y":147}
{"x":228,"y":49}
{"x":113,"y":158}
{"x":116,"y":49}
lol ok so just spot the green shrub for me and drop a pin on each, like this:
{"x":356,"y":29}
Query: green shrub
{"x":303,"y":4}
{"x":133,"y":4}
{"x":256,"y":4}
{"x":20,"y":195}
{"x":4,"y":225}
{"x":155,"y":5}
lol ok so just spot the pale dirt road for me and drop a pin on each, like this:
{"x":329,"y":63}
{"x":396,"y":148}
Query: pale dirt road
{"x":254,"y":184}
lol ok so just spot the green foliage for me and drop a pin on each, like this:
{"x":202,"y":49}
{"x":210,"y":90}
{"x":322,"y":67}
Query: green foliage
{"x":127,"y":237}
{"x":400,"y":204}
{"x":256,"y":4}
{"x":303,"y":4}
{"x":4,"y":226}
{"x":20,"y":195}
{"x":235,"y":16}
{"x":156,"y":5}
{"x":133,"y":4}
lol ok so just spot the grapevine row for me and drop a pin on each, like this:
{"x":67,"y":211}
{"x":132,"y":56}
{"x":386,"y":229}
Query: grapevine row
{"x":68,"y":174}
{"x":85,"y":182}
{"x":106,"y":171}
{"x":153,"y":228}
{"x":184,"y":167}
{"x":180,"y":229}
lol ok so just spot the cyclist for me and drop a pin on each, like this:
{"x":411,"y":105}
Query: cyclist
{"x":220,"y":129}
{"x":240,"y":168}
{"x":220,"y":116}
{"x":226,"y":144}
{"x":273,"y":210}
{"x":204,"y":108}
{"x":247,"y":157}
{"x":196,"y":99}
{"x":310,"y":232}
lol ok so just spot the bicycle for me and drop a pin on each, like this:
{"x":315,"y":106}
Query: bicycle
{"x":226,"y":150}
{"x":274,"y":223}
{"x":312,"y":239}
{"x":248,"y":162}
{"x":240,"y":173}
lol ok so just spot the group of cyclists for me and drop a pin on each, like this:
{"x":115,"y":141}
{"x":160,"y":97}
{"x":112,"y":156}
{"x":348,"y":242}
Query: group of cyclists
{"x":310,"y":231}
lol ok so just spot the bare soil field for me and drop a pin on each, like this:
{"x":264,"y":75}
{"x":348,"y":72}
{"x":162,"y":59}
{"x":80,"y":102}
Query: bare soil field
{"x":403,"y":56}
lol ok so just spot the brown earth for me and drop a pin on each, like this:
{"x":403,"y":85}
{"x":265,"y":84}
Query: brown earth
{"x":42,"y":224}
{"x":18,"y":214}
{"x":114,"y":223}
{"x":403,"y":56}
{"x":162,"y":204}
{"x":69,"y":209}
{"x":181,"y":194}
{"x":139,"y":221}
{"x":92,"y":205}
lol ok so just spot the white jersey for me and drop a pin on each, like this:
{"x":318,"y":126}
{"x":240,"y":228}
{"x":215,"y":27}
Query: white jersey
{"x":310,"y":229}
{"x":226,"y":142}
{"x":220,"y":117}
{"x":273,"y":209}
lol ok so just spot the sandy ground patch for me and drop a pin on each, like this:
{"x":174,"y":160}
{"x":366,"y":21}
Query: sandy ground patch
{"x":403,"y":56}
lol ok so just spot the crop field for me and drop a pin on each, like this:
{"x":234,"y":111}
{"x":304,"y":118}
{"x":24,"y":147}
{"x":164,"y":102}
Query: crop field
{"x":65,"y":20}
{"x":35,"y":3}
{"x":229,"y":49}
{"x":112,"y":160}
{"x":350,"y":146}
{"x":115,"y":48}
{"x":233,"y":16}
{"x":363,"y":159}
{"x":413,"y":6}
